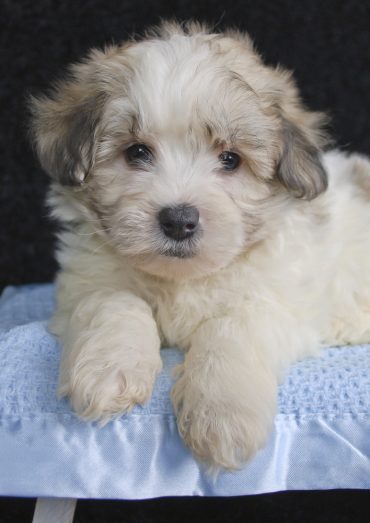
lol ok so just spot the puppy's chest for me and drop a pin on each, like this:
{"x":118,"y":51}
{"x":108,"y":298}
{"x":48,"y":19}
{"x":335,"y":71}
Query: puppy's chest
{"x":179,"y":311}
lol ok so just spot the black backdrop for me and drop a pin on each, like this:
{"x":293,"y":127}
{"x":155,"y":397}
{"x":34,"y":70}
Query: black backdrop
{"x":326,"y":43}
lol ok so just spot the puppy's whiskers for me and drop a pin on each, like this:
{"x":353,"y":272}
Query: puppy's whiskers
{"x":102,"y":245}
{"x":96,"y":231}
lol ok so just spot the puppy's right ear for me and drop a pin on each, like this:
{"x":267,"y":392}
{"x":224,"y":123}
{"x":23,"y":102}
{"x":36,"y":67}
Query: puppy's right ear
{"x":64,"y":124}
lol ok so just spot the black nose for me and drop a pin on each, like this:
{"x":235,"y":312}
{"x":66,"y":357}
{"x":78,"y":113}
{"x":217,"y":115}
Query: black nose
{"x":179,"y":222}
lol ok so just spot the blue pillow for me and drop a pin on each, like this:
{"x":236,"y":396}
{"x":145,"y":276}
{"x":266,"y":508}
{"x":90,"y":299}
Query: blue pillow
{"x":321,"y":438}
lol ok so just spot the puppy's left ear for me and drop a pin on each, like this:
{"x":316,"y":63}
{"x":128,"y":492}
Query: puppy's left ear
{"x":300,"y":168}
{"x":64,"y":122}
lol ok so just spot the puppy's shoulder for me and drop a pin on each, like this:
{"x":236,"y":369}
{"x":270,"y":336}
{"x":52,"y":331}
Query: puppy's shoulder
{"x":348,"y":170}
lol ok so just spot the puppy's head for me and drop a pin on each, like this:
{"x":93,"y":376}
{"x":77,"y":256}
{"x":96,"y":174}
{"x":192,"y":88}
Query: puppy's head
{"x":178,"y":148}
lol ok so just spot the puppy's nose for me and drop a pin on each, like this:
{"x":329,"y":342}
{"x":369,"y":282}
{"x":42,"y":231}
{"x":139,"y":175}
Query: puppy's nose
{"x":179,"y":222}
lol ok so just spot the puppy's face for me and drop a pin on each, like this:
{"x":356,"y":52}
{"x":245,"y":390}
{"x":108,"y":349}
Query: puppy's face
{"x":180,"y":146}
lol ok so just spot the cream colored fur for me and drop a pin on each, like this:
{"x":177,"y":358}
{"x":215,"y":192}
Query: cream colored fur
{"x":280,"y":268}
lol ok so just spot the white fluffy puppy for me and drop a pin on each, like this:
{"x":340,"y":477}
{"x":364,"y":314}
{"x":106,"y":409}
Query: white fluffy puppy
{"x":199,"y":211}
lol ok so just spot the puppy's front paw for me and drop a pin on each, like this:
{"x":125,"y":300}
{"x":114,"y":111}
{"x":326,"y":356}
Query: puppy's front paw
{"x":101,"y":388}
{"x":224,"y":430}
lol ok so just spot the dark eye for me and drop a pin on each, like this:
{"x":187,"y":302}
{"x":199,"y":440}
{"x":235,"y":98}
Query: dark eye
{"x":139,"y":153}
{"x":230,"y":161}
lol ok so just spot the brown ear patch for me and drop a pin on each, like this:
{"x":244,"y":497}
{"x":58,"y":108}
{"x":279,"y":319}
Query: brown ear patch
{"x":300,"y":169}
{"x":64,"y":129}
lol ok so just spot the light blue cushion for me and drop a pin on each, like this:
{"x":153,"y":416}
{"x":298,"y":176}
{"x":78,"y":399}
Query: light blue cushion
{"x":321,"y":438}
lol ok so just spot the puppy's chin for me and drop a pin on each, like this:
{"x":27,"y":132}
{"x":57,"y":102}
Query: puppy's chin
{"x":176,"y":268}
{"x":177,"y":264}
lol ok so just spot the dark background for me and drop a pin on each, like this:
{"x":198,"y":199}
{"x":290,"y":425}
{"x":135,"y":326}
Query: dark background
{"x":326,"y":43}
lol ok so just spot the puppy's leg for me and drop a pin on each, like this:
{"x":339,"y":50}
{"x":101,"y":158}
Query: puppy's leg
{"x":225,"y":397}
{"x":111,"y":353}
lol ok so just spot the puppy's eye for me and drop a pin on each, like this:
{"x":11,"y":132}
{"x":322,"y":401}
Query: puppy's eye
{"x":138,"y":153}
{"x":230,"y":161}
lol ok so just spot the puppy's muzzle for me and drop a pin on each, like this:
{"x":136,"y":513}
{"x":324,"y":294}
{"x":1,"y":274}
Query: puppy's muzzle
{"x":180,"y":222}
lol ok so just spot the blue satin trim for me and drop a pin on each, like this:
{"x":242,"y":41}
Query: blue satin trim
{"x":320,"y":440}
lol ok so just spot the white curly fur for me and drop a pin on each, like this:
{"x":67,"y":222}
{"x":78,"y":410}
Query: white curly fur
{"x":273,"y":277}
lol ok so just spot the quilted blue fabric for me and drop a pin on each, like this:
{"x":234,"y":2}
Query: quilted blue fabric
{"x":321,"y":438}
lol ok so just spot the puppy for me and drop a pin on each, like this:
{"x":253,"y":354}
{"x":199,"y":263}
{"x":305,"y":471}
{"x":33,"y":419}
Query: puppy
{"x":199,"y":211}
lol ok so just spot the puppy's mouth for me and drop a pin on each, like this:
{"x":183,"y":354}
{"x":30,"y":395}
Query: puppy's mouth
{"x":179,"y":249}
